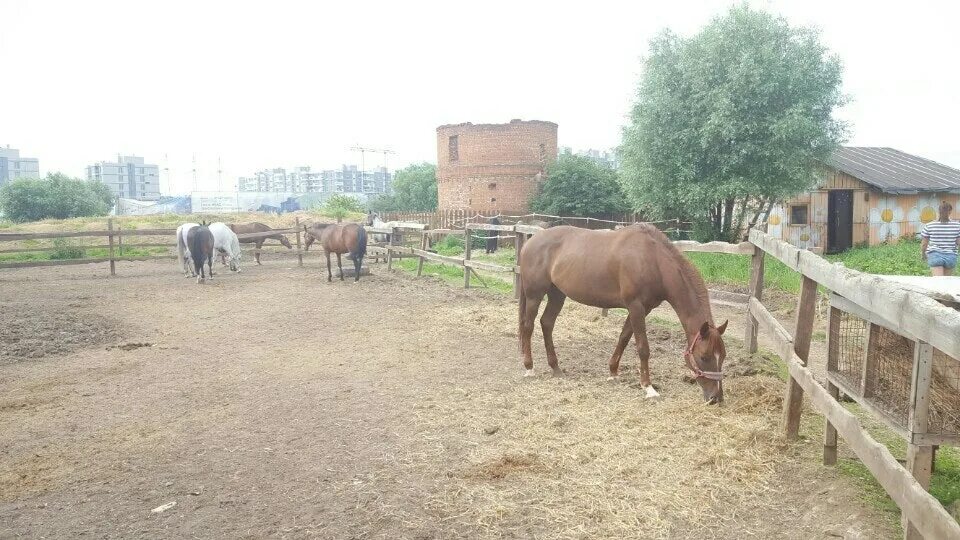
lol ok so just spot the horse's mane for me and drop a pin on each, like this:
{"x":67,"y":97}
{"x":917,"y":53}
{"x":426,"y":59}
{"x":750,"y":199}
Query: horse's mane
{"x":688,"y":272}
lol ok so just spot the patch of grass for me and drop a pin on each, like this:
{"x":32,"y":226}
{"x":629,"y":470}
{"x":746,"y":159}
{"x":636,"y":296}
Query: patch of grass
{"x":819,"y":336}
{"x":901,"y":259}
{"x":730,"y":269}
{"x":454,"y":275}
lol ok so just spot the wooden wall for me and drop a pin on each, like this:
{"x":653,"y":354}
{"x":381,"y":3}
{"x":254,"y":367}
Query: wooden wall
{"x":877,"y":216}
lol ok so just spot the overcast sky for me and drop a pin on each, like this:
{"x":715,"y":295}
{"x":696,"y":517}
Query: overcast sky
{"x":268,"y":84}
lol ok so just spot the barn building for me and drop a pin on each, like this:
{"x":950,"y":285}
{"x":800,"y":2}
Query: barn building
{"x":493,"y":167}
{"x":869,"y":195}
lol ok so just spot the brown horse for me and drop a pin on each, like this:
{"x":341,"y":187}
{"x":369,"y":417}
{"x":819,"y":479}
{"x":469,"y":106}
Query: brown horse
{"x":255,"y":227}
{"x":636,"y":268}
{"x":350,"y":238}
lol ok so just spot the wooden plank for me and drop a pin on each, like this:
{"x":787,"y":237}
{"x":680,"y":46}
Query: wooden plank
{"x":755,"y":291}
{"x":83,"y":247}
{"x":8,"y":237}
{"x":743,"y":248}
{"x":793,"y":399}
{"x":868,"y":371}
{"x":487,"y":227}
{"x":936,"y":439}
{"x":423,"y":247}
{"x":868,"y":405}
{"x":71,"y":262}
{"x":299,"y":251}
{"x":467,"y":241}
{"x":847,"y":306}
{"x":527,"y":229}
{"x":769,"y":324}
{"x":914,"y":314}
{"x":920,"y":387}
{"x":444,"y":259}
{"x":113,"y":264}
{"x":378,"y":230}
{"x":483,"y":265}
{"x":926,"y":512}
{"x":920,"y":464}
{"x":830,"y":432}
{"x":401,"y":249}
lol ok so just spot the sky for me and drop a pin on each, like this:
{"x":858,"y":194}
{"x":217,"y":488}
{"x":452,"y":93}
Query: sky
{"x":281,"y":84}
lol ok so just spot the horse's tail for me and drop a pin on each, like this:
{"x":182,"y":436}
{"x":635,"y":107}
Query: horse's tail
{"x":360,"y":250}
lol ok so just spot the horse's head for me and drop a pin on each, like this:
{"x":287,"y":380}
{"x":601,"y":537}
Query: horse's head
{"x":705,"y":358}
{"x":307,"y":240}
{"x":285,"y":242}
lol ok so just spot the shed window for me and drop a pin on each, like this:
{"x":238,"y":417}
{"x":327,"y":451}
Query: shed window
{"x":454,"y":146}
{"x":799,"y":214}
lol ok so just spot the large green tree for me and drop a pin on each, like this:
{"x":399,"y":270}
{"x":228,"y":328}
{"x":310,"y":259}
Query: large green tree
{"x":56,"y":196}
{"x":730,"y":120}
{"x":578,"y":186}
{"x":414,"y":190}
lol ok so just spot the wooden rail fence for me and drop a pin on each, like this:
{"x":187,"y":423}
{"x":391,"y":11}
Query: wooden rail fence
{"x":908,"y":312}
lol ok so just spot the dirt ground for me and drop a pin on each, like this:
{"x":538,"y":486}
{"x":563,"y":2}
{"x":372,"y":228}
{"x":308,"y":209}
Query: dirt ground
{"x":272,"y":404}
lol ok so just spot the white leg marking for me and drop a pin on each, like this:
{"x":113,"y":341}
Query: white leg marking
{"x":528,"y":373}
{"x":651,"y":393}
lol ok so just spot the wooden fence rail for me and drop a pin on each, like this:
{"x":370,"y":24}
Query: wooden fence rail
{"x":909,"y":313}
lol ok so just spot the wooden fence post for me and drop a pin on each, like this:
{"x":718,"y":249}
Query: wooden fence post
{"x":299,"y":250}
{"x":833,"y":355}
{"x":113,"y":268}
{"x":793,"y":400}
{"x":756,"y":291}
{"x":919,"y":457}
{"x":467,"y":240}
{"x":423,"y":247}
{"x":391,"y":243}
{"x":120,"y":239}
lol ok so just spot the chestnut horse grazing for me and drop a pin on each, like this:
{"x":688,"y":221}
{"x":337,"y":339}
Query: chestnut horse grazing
{"x":350,"y":238}
{"x":636,"y":268}
{"x":255,"y":227}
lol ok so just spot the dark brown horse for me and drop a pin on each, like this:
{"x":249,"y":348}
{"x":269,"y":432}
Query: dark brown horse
{"x":350,"y":238}
{"x":200,"y":243}
{"x":636,"y":268}
{"x":256,"y":227}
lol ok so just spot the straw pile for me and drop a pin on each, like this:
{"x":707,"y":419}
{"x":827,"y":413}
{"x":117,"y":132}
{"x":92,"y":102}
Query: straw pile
{"x":583,"y":457}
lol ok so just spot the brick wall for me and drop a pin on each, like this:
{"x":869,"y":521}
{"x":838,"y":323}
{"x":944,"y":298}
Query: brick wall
{"x":493,"y":167}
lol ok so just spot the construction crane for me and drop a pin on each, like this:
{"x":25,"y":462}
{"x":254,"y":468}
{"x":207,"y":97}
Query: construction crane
{"x":363,"y":150}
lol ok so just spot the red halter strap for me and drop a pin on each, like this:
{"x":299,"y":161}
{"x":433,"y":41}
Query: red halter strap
{"x":697,"y":372}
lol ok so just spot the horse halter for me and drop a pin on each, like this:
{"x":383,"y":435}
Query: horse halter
{"x":697,"y":372}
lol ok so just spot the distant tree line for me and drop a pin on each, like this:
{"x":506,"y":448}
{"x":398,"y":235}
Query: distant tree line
{"x":56,"y":196}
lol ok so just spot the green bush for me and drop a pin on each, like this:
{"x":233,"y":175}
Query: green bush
{"x":452,"y":244}
{"x":57,"y":196}
{"x":66,"y":249}
{"x":339,"y":206}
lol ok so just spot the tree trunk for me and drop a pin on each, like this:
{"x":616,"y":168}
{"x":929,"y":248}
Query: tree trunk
{"x":727,"y":220}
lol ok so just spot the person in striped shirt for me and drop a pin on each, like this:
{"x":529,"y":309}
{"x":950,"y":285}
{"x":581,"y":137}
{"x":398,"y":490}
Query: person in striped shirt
{"x":940,"y":241}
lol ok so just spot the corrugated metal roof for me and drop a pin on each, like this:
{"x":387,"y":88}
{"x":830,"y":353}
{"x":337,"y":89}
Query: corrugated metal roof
{"x":894,"y":171}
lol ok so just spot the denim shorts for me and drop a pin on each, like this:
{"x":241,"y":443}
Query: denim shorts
{"x":941,"y":258}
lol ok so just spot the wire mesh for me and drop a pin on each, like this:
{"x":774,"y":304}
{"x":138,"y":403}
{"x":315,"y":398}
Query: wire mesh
{"x":851,"y":340}
{"x":944,"y":415}
{"x":892,"y":371}
{"x":888,"y":377}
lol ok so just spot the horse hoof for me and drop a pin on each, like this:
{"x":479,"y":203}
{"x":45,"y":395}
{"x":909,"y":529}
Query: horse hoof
{"x":613,"y":378}
{"x":529,"y":373}
{"x":653,"y":394}
{"x":558,"y":372}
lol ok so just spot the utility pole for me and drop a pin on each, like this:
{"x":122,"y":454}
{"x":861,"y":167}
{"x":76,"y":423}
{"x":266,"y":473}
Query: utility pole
{"x":194,"y":171}
{"x":219,"y":175}
{"x":363,"y":151}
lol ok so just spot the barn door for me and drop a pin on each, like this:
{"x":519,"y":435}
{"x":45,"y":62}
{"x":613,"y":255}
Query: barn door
{"x":839,"y":220}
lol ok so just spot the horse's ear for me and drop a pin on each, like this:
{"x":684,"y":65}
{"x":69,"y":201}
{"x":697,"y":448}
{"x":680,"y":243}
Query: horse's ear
{"x":722,"y":327}
{"x":705,"y":330}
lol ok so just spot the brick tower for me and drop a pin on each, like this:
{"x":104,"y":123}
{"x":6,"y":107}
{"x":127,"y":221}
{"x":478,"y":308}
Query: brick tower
{"x":485,"y":167}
